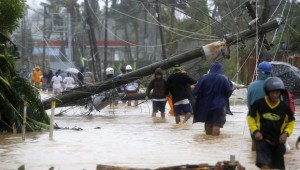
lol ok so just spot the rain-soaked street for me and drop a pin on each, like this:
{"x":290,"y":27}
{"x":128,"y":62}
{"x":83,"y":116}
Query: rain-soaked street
{"x":127,"y":136}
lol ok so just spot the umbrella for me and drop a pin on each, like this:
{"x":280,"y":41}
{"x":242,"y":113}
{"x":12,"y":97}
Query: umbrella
{"x":290,"y":75}
{"x":72,"y":70}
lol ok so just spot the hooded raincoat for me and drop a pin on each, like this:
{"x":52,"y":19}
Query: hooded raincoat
{"x":256,"y":88}
{"x":159,"y":86}
{"x":213,"y":91}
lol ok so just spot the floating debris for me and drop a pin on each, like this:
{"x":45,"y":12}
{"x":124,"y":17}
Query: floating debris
{"x":224,"y":165}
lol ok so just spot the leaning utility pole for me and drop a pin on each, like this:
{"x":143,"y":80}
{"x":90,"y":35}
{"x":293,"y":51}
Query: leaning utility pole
{"x":164,"y":55}
{"x":93,"y":40}
{"x":214,"y":51}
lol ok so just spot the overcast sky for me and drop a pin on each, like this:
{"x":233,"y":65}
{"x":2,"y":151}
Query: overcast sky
{"x":36,"y":3}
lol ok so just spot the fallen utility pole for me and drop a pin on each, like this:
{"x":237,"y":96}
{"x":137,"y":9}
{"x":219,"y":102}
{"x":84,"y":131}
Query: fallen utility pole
{"x":211,"y":52}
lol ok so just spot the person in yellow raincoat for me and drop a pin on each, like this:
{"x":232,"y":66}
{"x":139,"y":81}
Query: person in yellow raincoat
{"x":36,"y":77}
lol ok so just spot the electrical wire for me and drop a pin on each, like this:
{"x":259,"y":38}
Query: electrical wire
{"x":137,"y":19}
{"x":184,"y":36}
{"x":271,"y":17}
{"x":47,"y":42}
{"x":193,"y":6}
{"x":148,"y":46}
{"x":284,"y":26}
{"x":168,"y":28}
{"x":257,"y":52}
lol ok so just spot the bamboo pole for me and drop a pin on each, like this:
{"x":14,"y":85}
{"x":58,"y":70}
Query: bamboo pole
{"x":52,"y":120}
{"x":24,"y":120}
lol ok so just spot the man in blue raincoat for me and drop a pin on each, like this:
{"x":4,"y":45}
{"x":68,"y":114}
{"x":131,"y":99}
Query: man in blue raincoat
{"x":213,"y":91}
{"x":256,"y":88}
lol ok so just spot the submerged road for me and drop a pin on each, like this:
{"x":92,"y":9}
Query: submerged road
{"x":127,"y":136}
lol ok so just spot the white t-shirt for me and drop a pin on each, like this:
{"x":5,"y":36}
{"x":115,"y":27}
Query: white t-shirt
{"x":69,"y":81}
{"x":56,"y":82}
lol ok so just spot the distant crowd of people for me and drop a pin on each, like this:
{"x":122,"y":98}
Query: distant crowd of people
{"x":55,"y":82}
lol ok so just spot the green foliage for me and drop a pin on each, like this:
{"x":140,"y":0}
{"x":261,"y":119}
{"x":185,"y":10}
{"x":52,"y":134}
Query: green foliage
{"x":293,"y":25}
{"x":10,"y":13}
{"x":127,"y":7}
{"x":195,"y":22}
{"x":14,"y":91}
{"x":229,"y":67}
{"x":198,"y":11}
{"x":191,"y":25}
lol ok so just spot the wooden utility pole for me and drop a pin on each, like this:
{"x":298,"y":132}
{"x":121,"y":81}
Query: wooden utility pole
{"x":93,"y":41}
{"x":70,"y":59}
{"x":44,"y":45}
{"x":91,"y":53}
{"x":24,"y":49}
{"x":163,"y":47}
{"x":146,"y":37}
{"x":105,"y":34}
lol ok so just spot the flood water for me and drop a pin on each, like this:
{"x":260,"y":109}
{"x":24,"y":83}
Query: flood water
{"x":127,"y":136}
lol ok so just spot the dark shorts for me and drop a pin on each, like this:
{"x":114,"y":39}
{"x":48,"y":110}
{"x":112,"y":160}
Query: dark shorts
{"x":182,"y":109}
{"x":159,"y":106}
{"x":271,"y":155}
{"x":216,"y":118}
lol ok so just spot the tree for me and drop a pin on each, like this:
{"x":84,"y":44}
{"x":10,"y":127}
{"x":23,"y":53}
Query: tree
{"x":10,"y":21}
{"x":188,"y":30}
{"x":15,"y":90}
{"x":72,"y":7}
{"x":292,"y":36}
{"x":129,"y":8}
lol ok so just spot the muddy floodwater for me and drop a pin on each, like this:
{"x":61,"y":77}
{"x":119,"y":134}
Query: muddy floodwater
{"x":128,"y":136}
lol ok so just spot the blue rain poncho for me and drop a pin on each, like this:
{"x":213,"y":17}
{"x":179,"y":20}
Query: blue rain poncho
{"x":256,"y":88}
{"x":213,"y":91}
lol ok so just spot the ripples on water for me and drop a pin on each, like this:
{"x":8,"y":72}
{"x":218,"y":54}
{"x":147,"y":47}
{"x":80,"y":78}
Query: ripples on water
{"x":128,"y":136}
